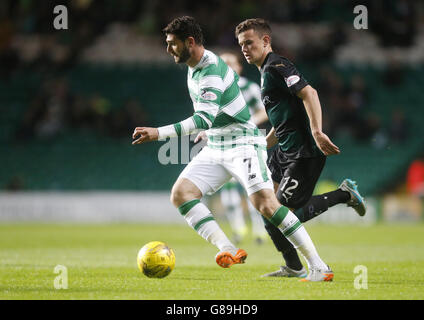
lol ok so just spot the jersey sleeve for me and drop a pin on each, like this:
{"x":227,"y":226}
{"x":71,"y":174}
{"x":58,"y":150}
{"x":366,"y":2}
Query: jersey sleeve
{"x":211,"y":88}
{"x":287,"y":73}
{"x":206,"y":107}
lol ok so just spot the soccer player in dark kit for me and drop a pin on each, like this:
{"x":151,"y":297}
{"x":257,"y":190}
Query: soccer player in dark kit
{"x":294,"y":110}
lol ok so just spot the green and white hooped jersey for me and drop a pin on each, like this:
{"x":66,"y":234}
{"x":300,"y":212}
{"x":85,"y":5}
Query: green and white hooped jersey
{"x":252,"y":94}
{"x":219,"y":107}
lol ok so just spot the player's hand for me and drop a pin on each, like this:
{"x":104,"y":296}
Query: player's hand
{"x":271,"y":139}
{"x":201,"y":136}
{"x":146,"y":134}
{"x":325,"y":145}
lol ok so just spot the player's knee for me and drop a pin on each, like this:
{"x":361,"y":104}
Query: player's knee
{"x":182,"y":192}
{"x":267,"y":207}
{"x":177,"y":196}
{"x":265,"y":202}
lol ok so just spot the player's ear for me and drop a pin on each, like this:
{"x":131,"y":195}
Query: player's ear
{"x":267,"y":40}
{"x":190,"y":42}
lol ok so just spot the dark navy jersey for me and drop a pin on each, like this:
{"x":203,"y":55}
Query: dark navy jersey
{"x":280,"y":83}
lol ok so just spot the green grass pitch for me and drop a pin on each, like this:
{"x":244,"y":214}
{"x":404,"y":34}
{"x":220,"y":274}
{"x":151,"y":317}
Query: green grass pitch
{"x":101,"y":264}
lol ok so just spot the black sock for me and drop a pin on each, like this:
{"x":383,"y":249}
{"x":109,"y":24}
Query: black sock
{"x":284,"y":246}
{"x":319,"y":204}
{"x":336,"y":197}
{"x":292,"y":259}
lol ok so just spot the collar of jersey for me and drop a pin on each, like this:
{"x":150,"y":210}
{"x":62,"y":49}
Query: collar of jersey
{"x":266,"y":59}
{"x":204,"y":61}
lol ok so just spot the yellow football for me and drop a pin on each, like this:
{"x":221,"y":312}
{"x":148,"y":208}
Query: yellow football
{"x":156,"y":259}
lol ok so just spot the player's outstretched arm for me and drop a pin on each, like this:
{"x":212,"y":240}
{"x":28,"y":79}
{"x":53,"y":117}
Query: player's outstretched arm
{"x":313,"y":108}
{"x":145,"y":134}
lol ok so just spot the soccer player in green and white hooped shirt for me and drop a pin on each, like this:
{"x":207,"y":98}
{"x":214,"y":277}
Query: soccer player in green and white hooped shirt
{"x":294,"y":110}
{"x":235,"y":148}
{"x":229,"y":193}
{"x":230,"y":197}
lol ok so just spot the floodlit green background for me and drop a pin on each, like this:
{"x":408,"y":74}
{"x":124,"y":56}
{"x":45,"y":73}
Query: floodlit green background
{"x":101,"y":263}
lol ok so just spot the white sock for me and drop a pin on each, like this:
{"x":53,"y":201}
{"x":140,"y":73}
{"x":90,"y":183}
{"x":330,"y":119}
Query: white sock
{"x":303,"y":242}
{"x":199,"y":217}
{"x":293,"y":230}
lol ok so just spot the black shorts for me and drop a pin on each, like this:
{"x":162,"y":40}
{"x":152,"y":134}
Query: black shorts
{"x":297,"y":177}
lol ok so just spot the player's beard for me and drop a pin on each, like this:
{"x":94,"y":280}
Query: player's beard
{"x":184,"y":55}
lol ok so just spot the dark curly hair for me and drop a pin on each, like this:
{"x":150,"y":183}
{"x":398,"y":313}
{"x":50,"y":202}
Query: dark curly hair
{"x":184,"y":27}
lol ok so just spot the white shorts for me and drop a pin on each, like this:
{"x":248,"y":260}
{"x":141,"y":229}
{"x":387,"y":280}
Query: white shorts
{"x":212,"y":168}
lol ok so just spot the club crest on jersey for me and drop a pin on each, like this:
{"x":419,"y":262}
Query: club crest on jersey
{"x":208,"y":95}
{"x":292,"y":80}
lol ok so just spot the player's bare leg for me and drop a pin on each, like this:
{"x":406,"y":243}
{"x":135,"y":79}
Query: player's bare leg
{"x":186,"y":197}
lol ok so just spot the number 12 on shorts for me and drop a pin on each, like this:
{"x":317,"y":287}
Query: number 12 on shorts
{"x":287,"y":192}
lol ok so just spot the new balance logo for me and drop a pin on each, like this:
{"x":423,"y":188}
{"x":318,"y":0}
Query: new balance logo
{"x":252,"y":176}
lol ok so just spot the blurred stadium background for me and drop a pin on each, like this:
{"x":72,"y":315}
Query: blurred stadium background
{"x":70,"y":99}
